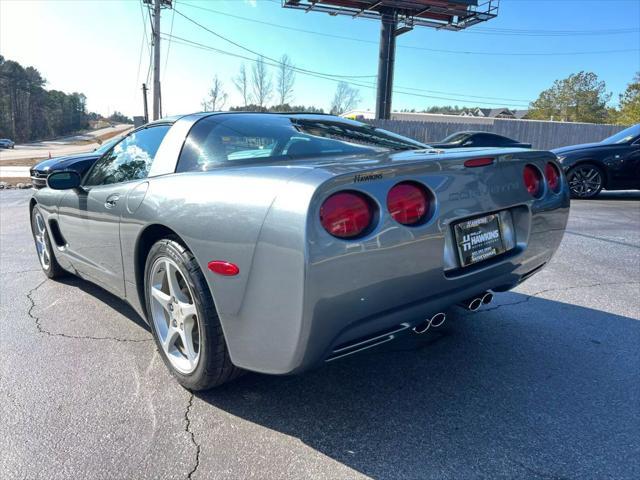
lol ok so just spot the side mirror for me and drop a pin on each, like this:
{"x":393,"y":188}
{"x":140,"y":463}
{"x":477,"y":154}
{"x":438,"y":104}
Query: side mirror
{"x":64,"y":180}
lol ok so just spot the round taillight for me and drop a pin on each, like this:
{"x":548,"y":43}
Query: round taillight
{"x":346,"y":214}
{"x":552,"y":174}
{"x":408,"y":203}
{"x":532,"y":180}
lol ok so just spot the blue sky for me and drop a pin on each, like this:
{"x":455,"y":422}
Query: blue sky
{"x":93,"y":46}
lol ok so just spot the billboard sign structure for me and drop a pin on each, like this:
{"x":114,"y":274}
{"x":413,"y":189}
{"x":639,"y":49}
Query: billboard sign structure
{"x":398,"y":17}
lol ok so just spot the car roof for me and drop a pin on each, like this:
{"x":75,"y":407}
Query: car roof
{"x":174,"y":118}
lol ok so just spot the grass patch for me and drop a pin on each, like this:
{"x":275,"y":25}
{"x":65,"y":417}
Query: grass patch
{"x":23,"y":162}
{"x":109,"y":135}
{"x":101,"y":138}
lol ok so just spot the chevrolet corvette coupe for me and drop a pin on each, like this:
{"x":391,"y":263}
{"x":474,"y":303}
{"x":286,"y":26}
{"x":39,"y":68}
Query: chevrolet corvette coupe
{"x":278,"y":242}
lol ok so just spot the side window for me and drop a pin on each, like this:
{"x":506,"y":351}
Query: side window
{"x":499,"y":141}
{"x":130,"y":159}
{"x":211,"y":143}
{"x":482,"y":140}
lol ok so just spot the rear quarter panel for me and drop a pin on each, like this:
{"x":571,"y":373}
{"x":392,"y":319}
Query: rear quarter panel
{"x":218,"y":215}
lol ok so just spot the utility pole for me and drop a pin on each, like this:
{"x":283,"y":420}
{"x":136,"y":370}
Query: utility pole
{"x":157,"y":111}
{"x":386,"y":59}
{"x":144,"y":98}
{"x":389,"y":30}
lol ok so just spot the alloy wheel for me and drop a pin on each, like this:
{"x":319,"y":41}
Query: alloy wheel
{"x":585,"y":181}
{"x":174,"y":314}
{"x":40,"y":235}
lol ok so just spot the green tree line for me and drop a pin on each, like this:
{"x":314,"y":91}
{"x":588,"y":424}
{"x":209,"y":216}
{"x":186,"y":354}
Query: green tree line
{"x":583,"y":97}
{"x":28,"y":111}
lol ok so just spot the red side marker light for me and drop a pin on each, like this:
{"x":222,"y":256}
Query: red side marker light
{"x":221,"y":267}
{"x":478,"y":162}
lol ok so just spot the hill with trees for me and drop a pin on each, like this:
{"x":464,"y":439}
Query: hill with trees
{"x":28,"y":111}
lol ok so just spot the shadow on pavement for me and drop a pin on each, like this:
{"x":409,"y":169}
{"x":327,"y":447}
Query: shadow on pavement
{"x":119,"y":305}
{"x":541,"y":390}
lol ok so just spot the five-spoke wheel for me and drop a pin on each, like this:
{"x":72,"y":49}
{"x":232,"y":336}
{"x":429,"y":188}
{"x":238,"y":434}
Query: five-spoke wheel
{"x":174,"y":313}
{"x":44,"y":247}
{"x":183,"y":318}
{"x":40,"y":236}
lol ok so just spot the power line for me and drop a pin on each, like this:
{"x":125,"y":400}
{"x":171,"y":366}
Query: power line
{"x":166,"y":60}
{"x":414,"y":47}
{"x":494,"y":30}
{"x":551,"y":33}
{"x":298,"y":69}
{"x":144,"y":21}
{"x":142,"y":44}
{"x":190,"y":43}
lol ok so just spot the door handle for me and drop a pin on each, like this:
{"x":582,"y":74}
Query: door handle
{"x":111,"y":201}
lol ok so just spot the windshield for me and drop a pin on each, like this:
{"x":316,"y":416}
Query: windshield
{"x":625,"y":136}
{"x":456,"y":137}
{"x":235,"y":138}
{"x":107,"y":145}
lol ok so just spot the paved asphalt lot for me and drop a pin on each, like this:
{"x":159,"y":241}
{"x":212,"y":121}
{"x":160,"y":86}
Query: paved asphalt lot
{"x":544,"y":383}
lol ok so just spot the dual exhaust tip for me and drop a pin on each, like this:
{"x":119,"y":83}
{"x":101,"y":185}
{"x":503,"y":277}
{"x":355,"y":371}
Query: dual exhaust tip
{"x":435,"y":321}
{"x":472,"y":304}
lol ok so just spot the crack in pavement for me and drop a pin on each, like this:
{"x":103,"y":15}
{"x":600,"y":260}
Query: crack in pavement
{"x":44,"y":331}
{"x":536,"y":294}
{"x":187,"y":429}
{"x":608,"y":240}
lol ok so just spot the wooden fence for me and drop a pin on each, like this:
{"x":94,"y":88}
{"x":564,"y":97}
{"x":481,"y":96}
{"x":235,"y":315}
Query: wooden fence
{"x":541,"y":135}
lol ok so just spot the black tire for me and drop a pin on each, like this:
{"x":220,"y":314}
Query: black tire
{"x":578,"y":185}
{"x":52,"y":269}
{"x":214,"y":365}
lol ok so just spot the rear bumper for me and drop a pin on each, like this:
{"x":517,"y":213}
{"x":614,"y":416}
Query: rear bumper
{"x":369,"y":293}
{"x":342,"y":316}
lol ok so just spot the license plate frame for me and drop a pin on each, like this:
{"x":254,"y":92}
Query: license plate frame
{"x":479,"y":239}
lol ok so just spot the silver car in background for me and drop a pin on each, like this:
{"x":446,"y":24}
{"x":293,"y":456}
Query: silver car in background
{"x":277,"y":242}
{"x":6,"y":143}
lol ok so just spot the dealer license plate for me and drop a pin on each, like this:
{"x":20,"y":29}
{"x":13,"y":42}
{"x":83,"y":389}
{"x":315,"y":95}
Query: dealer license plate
{"x":479,"y":239}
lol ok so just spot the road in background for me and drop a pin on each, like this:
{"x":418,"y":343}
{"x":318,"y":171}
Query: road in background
{"x":62,"y":146}
{"x":543,"y":383}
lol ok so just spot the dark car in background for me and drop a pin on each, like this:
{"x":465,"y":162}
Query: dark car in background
{"x":80,"y":163}
{"x":478,"y":139}
{"x":612,"y":164}
{"x":6,"y":143}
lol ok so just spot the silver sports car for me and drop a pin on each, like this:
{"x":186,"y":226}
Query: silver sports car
{"x":276,"y":242}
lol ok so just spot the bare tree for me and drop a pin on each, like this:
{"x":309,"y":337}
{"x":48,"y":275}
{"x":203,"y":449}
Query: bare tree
{"x":261,"y":82}
{"x":217,"y":97}
{"x":241,"y":81}
{"x":346,"y":98}
{"x":285,"y":80}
